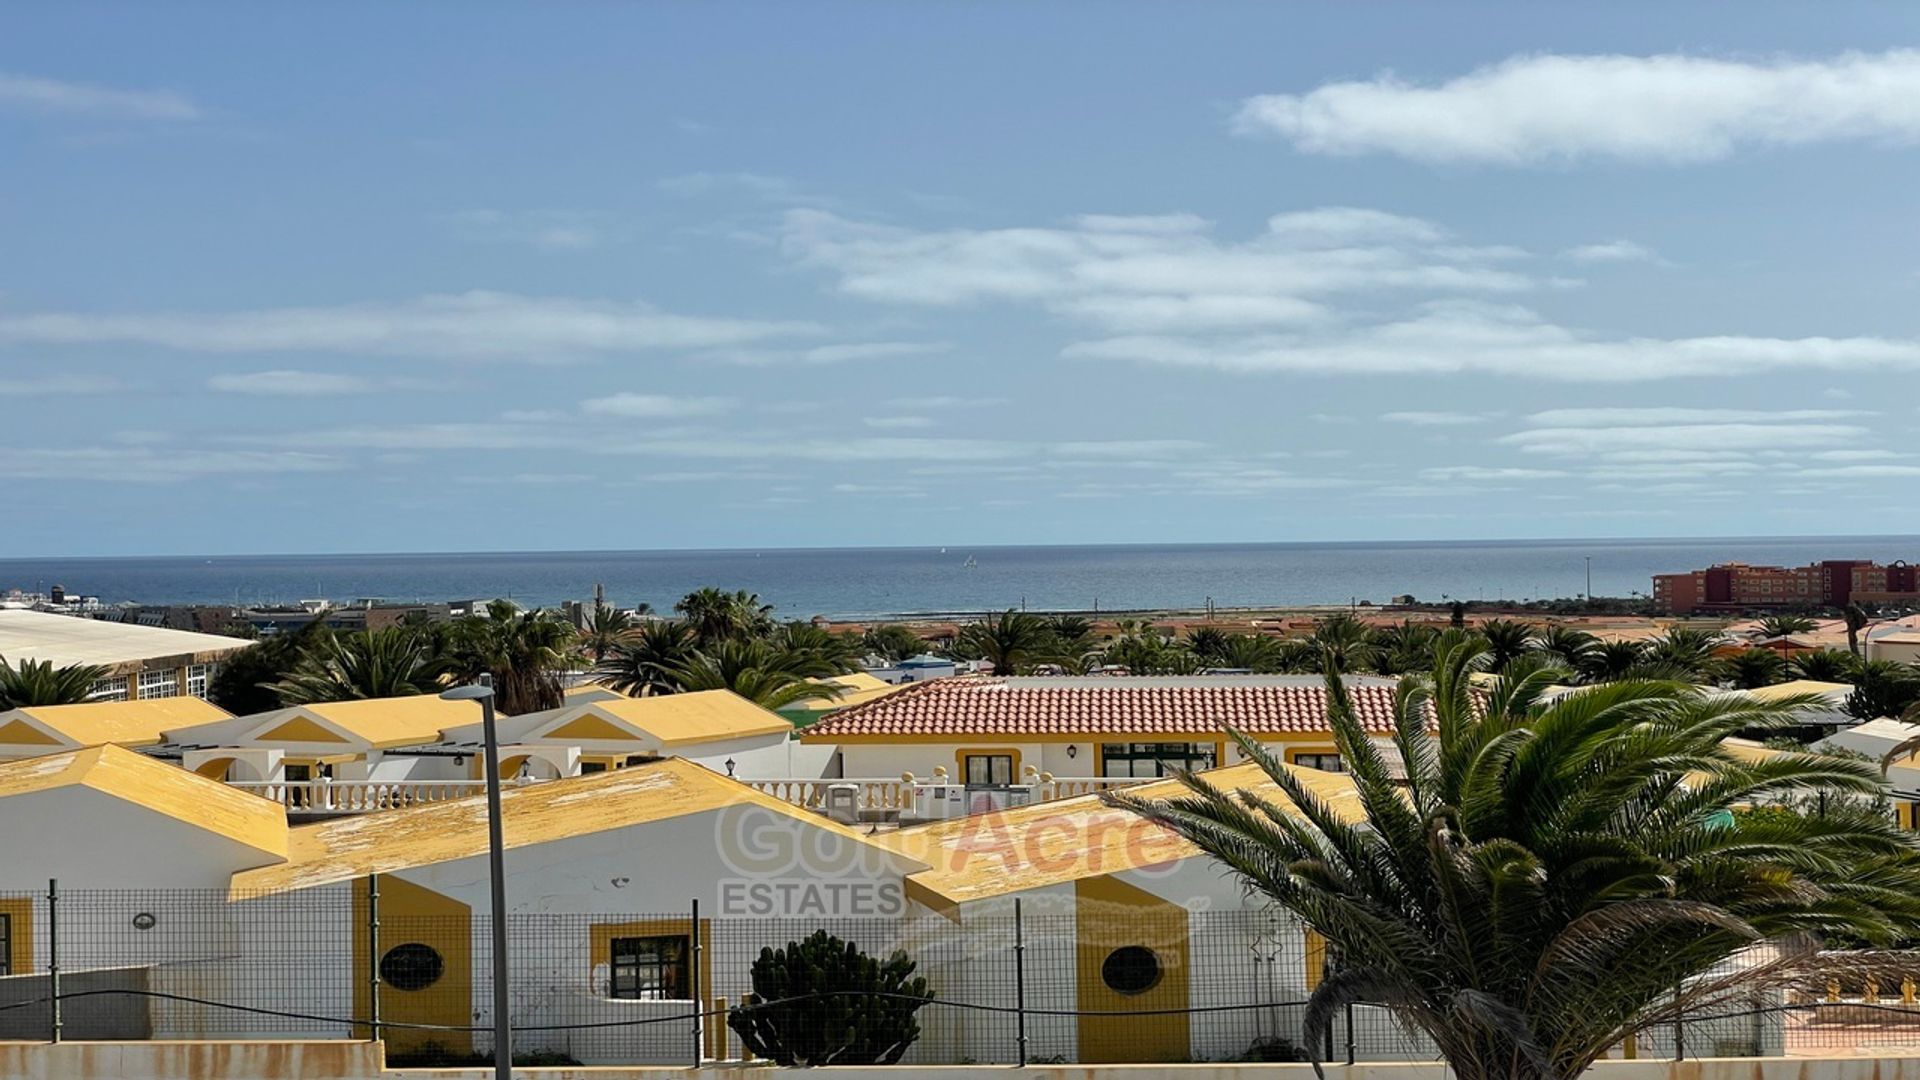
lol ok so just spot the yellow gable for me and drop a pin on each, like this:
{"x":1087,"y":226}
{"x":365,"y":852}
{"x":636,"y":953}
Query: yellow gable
{"x":591,"y":727}
{"x":21,"y":733}
{"x":300,"y":729}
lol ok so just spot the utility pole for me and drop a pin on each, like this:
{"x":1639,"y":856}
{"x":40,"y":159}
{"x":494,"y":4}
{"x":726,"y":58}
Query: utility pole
{"x":1589,"y":559}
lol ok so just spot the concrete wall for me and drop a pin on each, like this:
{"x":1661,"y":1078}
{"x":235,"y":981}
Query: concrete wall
{"x":362,"y":1061}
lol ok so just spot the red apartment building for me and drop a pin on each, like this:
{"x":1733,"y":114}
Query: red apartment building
{"x":1740,"y":587}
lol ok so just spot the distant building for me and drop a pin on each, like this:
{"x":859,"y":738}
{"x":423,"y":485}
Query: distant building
{"x":1733,"y":586}
{"x":141,"y":661}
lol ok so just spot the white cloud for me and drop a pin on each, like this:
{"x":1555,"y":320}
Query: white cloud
{"x":941,"y":401}
{"x":1482,"y":472}
{"x":290,"y":383}
{"x":1449,"y":337}
{"x":1669,"y":108}
{"x":468,"y":325}
{"x":60,"y":385}
{"x":1656,"y":415}
{"x":850,"y":352}
{"x":1132,"y":274}
{"x":1856,"y":455}
{"x":656,"y":406}
{"x":1724,"y":437}
{"x":1613,"y":251}
{"x":52,"y":95}
{"x":141,"y":465}
{"x":898,"y":422}
{"x":1433,"y":419}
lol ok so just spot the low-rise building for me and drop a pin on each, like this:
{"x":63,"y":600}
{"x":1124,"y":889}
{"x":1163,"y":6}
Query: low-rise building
{"x":38,"y":730}
{"x":141,"y":661}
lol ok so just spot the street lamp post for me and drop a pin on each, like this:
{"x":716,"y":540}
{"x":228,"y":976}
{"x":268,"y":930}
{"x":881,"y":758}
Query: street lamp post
{"x":496,"y":867}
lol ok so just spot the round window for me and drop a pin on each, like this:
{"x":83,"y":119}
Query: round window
{"x":1131,"y":969}
{"x":412,"y":966}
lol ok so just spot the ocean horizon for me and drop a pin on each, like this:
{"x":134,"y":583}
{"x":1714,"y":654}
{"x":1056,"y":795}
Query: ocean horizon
{"x":854,"y":582}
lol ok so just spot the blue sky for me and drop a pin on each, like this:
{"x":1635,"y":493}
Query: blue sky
{"x":485,"y":277}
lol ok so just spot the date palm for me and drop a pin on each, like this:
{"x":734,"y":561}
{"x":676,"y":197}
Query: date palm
{"x":1552,"y":877}
{"x":1506,"y":640}
{"x":718,"y":615}
{"x":1824,"y":665}
{"x":1344,"y":641}
{"x":1611,"y":660}
{"x":524,"y":652}
{"x":396,"y":661}
{"x":764,"y":675}
{"x":1750,"y":669}
{"x":1569,"y":647}
{"x":29,"y":683}
{"x":1010,"y":641}
{"x":1776,"y":626}
{"x":604,"y":629}
{"x":642,"y":662}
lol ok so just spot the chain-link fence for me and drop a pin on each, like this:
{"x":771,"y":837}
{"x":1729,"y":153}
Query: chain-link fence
{"x":1092,"y":982}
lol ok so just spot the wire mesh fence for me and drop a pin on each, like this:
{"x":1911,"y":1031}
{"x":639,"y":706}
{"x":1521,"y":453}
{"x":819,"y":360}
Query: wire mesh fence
{"x":1096,"y":981}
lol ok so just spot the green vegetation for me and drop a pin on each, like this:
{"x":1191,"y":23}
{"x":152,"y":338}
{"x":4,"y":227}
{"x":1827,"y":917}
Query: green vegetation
{"x":1553,"y":876}
{"x":27,"y":683}
{"x":824,"y":1002}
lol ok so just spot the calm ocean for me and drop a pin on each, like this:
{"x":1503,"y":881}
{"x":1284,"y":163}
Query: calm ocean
{"x":868,"y":581}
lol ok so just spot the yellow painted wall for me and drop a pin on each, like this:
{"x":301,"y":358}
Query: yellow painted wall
{"x":415,"y":913}
{"x":21,"y":909}
{"x":1111,"y":914}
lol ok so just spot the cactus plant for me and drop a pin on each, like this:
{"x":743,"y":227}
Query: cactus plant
{"x":822,"y":1001}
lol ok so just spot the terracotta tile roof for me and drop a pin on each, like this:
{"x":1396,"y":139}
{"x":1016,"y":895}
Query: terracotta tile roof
{"x":969,"y":706}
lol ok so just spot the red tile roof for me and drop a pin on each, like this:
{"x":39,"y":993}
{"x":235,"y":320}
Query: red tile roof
{"x":970,"y":706}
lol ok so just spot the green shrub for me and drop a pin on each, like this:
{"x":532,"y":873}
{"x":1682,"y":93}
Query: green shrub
{"x":824,"y":1002}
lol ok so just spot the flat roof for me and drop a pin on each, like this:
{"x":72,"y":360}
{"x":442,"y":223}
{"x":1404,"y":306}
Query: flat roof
{"x":66,"y":640}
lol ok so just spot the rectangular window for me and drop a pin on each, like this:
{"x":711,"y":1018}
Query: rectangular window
{"x":113,"y":689}
{"x":1148,"y":760}
{"x":989,"y":770}
{"x":1323,"y":762}
{"x":197,"y":676}
{"x":6,"y":944}
{"x":592,"y":767}
{"x":648,"y":968}
{"x":159,"y":684}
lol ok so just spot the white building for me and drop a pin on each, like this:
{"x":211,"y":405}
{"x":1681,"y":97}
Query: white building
{"x":141,"y":661}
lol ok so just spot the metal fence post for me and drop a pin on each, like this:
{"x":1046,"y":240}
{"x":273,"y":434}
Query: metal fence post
{"x":1679,"y":1027}
{"x":373,"y":956}
{"x":1020,"y":981}
{"x":53,"y":960}
{"x":694,"y":952}
{"x":1349,"y":1032}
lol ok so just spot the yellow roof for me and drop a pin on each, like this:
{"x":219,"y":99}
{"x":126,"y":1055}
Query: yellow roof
{"x":1043,"y":844}
{"x":701,"y":716}
{"x":156,"y":786}
{"x":128,"y":723}
{"x":1798,"y":686}
{"x":860,"y":680}
{"x":351,"y":847}
{"x":592,"y":691}
{"x":848,"y":698}
{"x":381,"y":722}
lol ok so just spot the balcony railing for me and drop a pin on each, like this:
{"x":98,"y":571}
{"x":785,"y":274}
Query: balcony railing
{"x":359,"y":796}
{"x":893,"y":795}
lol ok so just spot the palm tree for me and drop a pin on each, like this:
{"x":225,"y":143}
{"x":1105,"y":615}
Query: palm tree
{"x":1552,"y":877}
{"x":718,"y":615}
{"x":524,"y":652}
{"x":892,"y":642}
{"x":1824,"y":665}
{"x":1882,"y":688}
{"x":1683,"y":651}
{"x":1506,"y":639}
{"x":605,"y":627}
{"x":397,"y":661}
{"x":1775,"y":626}
{"x":1406,"y":647}
{"x":1612,"y":660}
{"x":1344,"y":641}
{"x":1750,"y":669}
{"x":26,"y":684}
{"x":1571,"y":648}
{"x":642,"y":662}
{"x":1009,"y":641}
{"x":764,"y":675}
{"x":1207,"y":642}
{"x":1257,"y":653}
{"x":1857,"y":620}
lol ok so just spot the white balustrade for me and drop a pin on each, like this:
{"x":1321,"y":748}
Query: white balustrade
{"x":359,"y":796}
